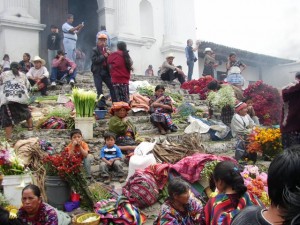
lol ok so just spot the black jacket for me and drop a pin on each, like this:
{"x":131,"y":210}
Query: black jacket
{"x":97,"y":62}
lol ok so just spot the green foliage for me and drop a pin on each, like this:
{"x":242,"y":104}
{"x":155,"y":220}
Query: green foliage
{"x":209,"y":169}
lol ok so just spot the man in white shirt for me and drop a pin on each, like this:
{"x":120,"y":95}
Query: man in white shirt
{"x":70,"y":36}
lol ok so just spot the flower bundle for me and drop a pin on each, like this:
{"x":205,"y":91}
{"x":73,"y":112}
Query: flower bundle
{"x":84,"y":102}
{"x":10,"y":164}
{"x":69,"y":167}
{"x":267,"y":102}
{"x":223,"y":97}
{"x":198,"y":86}
{"x":266,"y":141}
{"x":256,"y":183}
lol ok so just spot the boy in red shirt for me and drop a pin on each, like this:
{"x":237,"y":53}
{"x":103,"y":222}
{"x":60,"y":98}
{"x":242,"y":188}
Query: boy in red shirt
{"x":78,"y":146}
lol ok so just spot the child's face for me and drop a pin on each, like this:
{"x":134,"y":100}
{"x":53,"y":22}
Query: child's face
{"x":249,"y":103}
{"x":76,"y":138}
{"x":122,"y":113}
{"x":110,"y":142}
{"x":159,"y":92}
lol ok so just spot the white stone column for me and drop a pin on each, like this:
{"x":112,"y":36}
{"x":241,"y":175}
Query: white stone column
{"x":106,"y":14}
{"x":170,"y":26}
{"x":121,"y":16}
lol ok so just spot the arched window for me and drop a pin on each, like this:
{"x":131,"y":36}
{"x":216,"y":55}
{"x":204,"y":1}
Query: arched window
{"x":146,"y":19}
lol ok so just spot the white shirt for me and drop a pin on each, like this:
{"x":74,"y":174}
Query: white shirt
{"x":66,"y":28}
{"x":36,"y":73}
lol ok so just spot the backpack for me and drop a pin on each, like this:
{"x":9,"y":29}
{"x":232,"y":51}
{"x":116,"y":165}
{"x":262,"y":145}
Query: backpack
{"x":15,"y":91}
{"x":141,"y":189}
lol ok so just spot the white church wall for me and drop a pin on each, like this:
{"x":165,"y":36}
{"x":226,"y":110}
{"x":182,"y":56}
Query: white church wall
{"x":19,"y":27}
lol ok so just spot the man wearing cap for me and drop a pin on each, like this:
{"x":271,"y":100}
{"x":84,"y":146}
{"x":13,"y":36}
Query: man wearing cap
{"x":38,"y":75}
{"x":70,"y":36}
{"x":63,"y":67}
{"x":169,"y":72}
{"x":100,"y":70}
{"x":190,"y":57}
{"x":104,"y":31}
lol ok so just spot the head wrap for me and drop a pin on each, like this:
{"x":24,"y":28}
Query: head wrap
{"x":119,"y":105}
{"x":240,"y":106}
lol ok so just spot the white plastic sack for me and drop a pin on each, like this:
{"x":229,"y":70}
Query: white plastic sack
{"x":144,"y":148}
{"x":139,"y":162}
{"x":133,"y":85}
{"x":196,"y":126}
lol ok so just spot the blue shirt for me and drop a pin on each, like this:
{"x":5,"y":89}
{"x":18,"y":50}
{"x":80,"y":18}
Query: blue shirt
{"x":111,"y":153}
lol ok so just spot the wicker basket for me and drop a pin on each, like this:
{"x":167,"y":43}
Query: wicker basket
{"x":83,"y":216}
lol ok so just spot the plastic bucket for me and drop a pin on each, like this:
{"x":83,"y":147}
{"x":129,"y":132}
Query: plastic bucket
{"x":13,"y":186}
{"x":75,"y":197}
{"x":85,"y":124}
{"x":100,"y":114}
{"x":58,"y":191}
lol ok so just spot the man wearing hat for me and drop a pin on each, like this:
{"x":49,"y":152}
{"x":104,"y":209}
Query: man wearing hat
{"x":70,"y":36}
{"x":100,"y":70}
{"x":38,"y":75}
{"x":63,"y":67}
{"x":209,"y":63}
{"x":169,"y":72}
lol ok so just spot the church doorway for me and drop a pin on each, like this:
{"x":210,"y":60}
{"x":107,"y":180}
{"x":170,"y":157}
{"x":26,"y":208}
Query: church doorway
{"x":55,"y":12}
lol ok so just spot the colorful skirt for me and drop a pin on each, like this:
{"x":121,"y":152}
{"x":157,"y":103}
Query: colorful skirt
{"x":164,"y":118}
{"x":13,"y":113}
{"x":121,"y":92}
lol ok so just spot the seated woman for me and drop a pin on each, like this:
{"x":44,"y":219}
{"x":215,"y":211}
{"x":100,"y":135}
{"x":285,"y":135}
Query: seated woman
{"x":179,"y":208}
{"x":34,"y":211}
{"x":122,"y":127}
{"x":241,"y":123}
{"x":232,"y":197}
{"x":284,"y":193}
{"x":161,"y":109}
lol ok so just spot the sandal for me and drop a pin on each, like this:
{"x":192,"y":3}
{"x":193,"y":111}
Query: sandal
{"x":30,"y":128}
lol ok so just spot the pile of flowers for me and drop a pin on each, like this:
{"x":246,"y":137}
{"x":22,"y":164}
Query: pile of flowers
{"x":222,"y":98}
{"x":69,"y":167}
{"x":256,"y":183}
{"x":198,"y":86}
{"x":266,"y":141}
{"x":267,"y":102}
{"x":10,"y":164}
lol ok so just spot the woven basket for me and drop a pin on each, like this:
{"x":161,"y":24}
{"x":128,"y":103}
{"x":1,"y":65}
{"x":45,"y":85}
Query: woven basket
{"x":81,"y":217}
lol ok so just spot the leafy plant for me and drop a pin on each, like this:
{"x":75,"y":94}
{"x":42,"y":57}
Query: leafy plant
{"x":84,"y":102}
{"x":208,"y":169}
{"x":223,"y":97}
{"x":99,"y":192}
{"x":3,"y":201}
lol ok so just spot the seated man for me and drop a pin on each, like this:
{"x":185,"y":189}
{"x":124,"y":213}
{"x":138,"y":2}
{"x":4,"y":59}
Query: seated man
{"x":62,"y":68}
{"x":169,"y":72}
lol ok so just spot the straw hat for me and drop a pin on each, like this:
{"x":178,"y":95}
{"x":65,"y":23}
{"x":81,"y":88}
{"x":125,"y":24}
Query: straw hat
{"x":37,"y":58}
{"x":207,"y":50}
{"x":170,"y":56}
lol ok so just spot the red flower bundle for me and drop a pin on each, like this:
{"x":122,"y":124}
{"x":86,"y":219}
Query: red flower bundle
{"x":198,"y":86}
{"x":65,"y":163}
{"x":267,"y":102}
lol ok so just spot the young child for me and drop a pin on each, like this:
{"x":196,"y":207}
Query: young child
{"x":111,"y":157}
{"x":251,"y":111}
{"x":79,"y":147}
{"x":161,"y":109}
{"x":6,"y":63}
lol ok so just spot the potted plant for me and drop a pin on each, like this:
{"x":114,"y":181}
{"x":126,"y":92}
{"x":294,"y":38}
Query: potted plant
{"x":15,"y":175}
{"x":84,"y":102}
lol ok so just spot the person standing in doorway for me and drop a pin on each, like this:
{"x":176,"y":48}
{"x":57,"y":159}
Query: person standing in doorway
{"x":53,"y":44}
{"x":70,"y":36}
{"x":100,"y":71}
{"x":190,"y":57}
